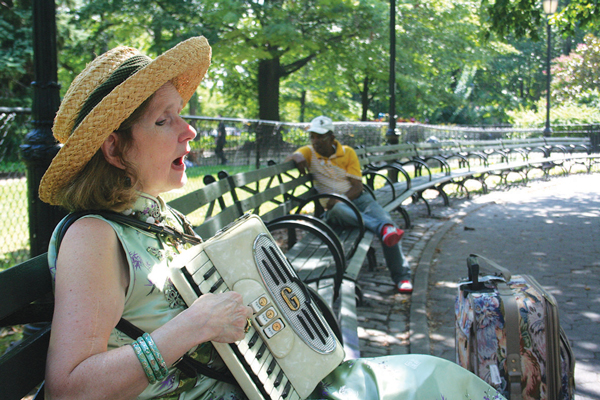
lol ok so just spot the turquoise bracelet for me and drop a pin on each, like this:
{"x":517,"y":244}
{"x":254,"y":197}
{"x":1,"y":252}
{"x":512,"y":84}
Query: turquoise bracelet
{"x":144,"y":361}
{"x":162,"y":365}
{"x":151,"y":360}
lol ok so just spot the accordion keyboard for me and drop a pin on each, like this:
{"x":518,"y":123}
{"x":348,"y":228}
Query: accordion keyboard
{"x":252,"y":358}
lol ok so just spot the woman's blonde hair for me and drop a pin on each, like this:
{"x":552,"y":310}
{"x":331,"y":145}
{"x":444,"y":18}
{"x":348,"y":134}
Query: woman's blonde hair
{"x":101,"y":185}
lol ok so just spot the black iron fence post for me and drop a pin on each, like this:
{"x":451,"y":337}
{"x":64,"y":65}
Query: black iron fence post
{"x":40,"y":146}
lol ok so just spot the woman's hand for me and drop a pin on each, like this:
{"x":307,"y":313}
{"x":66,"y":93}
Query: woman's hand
{"x":223,"y":316}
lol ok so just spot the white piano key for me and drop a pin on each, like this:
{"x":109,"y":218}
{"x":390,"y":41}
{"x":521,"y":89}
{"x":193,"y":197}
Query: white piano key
{"x":198,"y":262}
{"x":257,"y":364}
{"x":250,"y":355}
{"x":278,"y":390}
{"x":263,"y":374}
{"x":206,"y":286}
{"x":269,"y":384}
{"x":243,"y":344}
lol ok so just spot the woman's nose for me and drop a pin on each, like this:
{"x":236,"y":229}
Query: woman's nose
{"x":189,"y":133}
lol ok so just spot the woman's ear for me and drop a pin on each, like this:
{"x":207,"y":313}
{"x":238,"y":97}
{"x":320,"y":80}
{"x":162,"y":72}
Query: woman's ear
{"x":109,"y":149}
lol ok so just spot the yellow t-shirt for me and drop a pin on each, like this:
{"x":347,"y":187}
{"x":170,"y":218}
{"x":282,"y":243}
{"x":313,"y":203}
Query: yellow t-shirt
{"x":331,"y":174}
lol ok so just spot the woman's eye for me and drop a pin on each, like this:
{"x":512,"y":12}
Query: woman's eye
{"x":161,"y":122}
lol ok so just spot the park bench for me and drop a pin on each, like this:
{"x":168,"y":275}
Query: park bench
{"x":415,"y":168}
{"x":317,"y":252}
{"x":329,"y":260}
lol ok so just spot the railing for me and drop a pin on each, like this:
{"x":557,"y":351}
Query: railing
{"x":250,"y":144}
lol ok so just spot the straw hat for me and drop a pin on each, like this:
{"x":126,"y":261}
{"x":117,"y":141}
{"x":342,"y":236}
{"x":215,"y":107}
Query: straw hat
{"x":87,"y":116}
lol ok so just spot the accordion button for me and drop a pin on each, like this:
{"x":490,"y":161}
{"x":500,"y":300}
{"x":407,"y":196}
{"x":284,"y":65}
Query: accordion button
{"x":259,"y":303}
{"x":265,"y":317}
{"x":274,"y":328}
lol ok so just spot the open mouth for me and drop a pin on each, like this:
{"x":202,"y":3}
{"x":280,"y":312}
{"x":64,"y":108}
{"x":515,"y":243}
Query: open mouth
{"x":179,"y":161}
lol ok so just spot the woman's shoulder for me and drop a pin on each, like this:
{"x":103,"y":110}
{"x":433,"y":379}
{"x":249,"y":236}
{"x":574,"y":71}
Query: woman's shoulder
{"x":89,"y":230}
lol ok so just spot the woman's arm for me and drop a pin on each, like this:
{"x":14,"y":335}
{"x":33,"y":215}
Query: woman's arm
{"x":91,"y":282}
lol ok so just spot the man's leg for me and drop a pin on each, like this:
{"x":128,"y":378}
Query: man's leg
{"x":394,"y":257}
{"x":397,"y":263}
{"x":342,"y":215}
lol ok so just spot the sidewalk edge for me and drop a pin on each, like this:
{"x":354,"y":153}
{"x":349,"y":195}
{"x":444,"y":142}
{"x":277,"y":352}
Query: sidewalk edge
{"x":418,"y":321}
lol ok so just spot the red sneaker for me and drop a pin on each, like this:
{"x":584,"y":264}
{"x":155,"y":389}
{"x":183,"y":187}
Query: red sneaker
{"x":405,"y":287}
{"x":390,"y":235}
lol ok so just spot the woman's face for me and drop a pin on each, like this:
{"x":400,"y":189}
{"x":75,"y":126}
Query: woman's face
{"x":161,"y":142}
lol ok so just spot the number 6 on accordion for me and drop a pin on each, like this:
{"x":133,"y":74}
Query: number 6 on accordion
{"x":290,"y":347}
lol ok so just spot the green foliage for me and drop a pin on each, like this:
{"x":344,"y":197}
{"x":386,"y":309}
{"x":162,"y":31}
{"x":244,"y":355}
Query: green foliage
{"x":523,"y":17}
{"x":563,"y":114}
{"x":329,"y":56}
{"x":16,"y":54}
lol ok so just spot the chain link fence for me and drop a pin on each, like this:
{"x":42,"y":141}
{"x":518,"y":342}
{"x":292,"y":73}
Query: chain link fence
{"x":14,"y":221}
{"x":249,"y":144}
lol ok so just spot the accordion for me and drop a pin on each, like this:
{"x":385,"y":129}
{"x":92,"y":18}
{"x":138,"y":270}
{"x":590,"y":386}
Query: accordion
{"x":289,"y":346}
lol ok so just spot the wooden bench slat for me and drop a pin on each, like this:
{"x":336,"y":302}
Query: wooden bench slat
{"x":21,"y":286}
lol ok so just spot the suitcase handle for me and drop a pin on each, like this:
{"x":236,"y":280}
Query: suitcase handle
{"x":473,"y":266}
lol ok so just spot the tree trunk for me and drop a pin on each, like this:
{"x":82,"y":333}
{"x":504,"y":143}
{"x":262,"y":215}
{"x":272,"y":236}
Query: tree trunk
{"x":268,"y":89}
{"x":364,"y":99}
{"x":302,"y":105}
{"x":268,"y":106}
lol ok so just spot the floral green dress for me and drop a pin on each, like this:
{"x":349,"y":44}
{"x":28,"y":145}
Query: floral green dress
{"x":151,"y":300}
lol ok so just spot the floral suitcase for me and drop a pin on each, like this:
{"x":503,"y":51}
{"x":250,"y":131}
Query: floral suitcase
{"x":508,"y":333}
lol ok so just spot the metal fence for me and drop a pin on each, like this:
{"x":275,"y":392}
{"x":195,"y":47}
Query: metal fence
{"x":14,"y":221}
{"x":250,"y":144}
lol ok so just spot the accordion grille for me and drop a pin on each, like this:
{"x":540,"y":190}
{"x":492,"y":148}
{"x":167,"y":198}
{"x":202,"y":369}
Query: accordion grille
{"x":291,"y":298}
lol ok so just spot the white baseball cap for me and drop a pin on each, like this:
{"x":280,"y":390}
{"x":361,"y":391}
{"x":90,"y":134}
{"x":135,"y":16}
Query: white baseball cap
{"x":321,"y":125}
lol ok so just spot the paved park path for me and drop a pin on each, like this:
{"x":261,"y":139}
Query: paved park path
{"x":549,"y":229}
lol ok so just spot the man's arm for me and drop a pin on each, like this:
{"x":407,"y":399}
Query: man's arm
{"x":300,"y":162}
{"x":356,"y":188}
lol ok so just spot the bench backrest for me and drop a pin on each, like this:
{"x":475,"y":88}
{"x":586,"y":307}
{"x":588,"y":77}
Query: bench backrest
{"x":26,"y":299}
{"x":270,"y":192}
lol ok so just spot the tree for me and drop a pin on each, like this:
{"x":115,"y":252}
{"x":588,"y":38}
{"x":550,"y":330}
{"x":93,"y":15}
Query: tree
{"x":16,"y":55}
{"x":523,"y":17}
{"x":267,"y":41}
{"x":577,"y":76}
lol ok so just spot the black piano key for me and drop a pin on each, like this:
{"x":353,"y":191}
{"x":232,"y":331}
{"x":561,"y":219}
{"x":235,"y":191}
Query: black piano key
{"x":271,"y":367}
{"x":286,"y":390}
{"x":278,"y":379}
{"x":216,"y":285}
{"x":261,"y":351}
{"x":253,"y":340}
{"x":191,"y":281}
{"x":209,"y":273}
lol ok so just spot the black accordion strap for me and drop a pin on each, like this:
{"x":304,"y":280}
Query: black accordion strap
{"x":186,"y":364}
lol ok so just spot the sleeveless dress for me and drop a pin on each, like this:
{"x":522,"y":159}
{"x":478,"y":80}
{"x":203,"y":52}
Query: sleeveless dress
{"x":151,"y":300}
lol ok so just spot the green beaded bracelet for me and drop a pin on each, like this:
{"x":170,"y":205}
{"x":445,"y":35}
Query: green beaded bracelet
{"x":163,"y":370}
{"x":144,"y":361}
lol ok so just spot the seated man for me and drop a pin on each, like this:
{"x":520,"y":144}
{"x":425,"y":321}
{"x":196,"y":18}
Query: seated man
{"x":336,"y":170}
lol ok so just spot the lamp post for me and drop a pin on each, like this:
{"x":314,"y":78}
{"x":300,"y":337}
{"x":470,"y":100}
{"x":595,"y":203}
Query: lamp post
{"x":391,"y":136}
{"x":550,"y":7}
{"x":39,"y":146}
